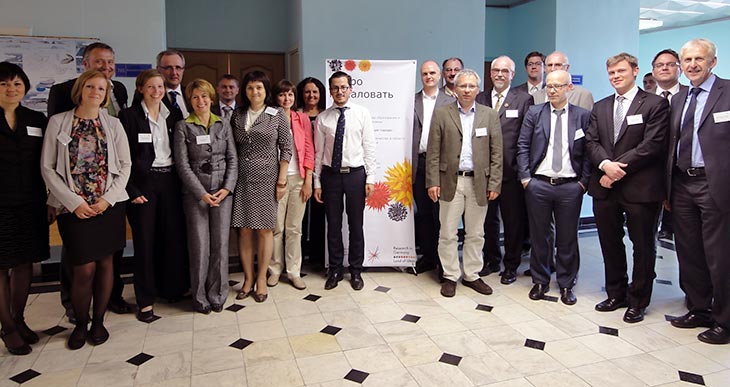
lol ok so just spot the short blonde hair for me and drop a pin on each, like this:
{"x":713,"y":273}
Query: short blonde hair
{"x":633,"y":62}
{"x":78,"y":87}
{"x":202,"y":85}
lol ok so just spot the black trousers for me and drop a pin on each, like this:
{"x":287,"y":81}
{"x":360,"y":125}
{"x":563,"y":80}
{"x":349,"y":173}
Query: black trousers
{"x":426,"y":217}
{"x":641,"y":221}
{"x":314,"y":233}
{"x":702,"y":239}
{"x":160,"y":248}
{"x":511,"y":205}
{"x":344,"y":191}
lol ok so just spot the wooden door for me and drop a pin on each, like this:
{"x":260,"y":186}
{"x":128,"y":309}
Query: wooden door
{"x":211,"y":65}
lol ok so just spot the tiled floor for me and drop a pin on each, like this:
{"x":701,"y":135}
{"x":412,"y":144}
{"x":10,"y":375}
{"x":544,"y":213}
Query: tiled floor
{"x":398,"y":331}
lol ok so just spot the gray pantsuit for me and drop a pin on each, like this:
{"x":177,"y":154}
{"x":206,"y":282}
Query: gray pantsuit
{"x":206,"y":162}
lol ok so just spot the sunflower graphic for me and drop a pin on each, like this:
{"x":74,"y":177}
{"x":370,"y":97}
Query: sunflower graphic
{"x":399,"y":179}
{"x":380,"y":197}
{"x":364,"y":65}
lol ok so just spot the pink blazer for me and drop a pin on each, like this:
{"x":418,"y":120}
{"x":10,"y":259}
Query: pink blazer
{"x":301,"y":129}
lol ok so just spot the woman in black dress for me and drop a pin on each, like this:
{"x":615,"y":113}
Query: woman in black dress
{"x":23,"y":213}
{"x":86,"y":165}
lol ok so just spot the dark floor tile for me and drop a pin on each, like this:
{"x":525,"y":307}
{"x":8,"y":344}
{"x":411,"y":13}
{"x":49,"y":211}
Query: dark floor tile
{"x":241,"y":343}
{"x":233,"y":283}
{"x":536,"y":344}
{"x":411,"y":318}
{"x":54,"y":330}
{"x":382,"y":289}
{"x":668,"y":317}
{"x":312,"y":297}
{"x":140,"y":359}
{"x":25,"y":376}
{"x":659,"y":257}
{"x":691,"y":378}
{"x":448,"y":358}
{"x":235,"y":307}
{"x":302,"y":274}
{"x":663,"y":282}
{"x":331,"y":330}
{"x":550,"y":298}
{"x":666,"y":245}
{"x":608,"y":331}
{"x":485,"y":308}
{"x":153,"y":319}
{"x":356,"y":376}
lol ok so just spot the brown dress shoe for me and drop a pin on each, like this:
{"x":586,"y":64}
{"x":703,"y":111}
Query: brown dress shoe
{"x":478,"y":285}
{"x":448,"y":288}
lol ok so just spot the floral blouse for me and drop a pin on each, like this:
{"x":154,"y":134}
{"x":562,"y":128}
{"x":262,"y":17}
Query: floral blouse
{"x":88,"y":158}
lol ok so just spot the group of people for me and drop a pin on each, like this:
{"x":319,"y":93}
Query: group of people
{"x":531,"y":151}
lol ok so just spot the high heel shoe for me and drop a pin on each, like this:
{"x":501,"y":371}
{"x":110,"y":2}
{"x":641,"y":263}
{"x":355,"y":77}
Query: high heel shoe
{"x":78,"y":337}
{"x":25,"y":332}
{"x":260,"y":297}
{"x":98,"y":334}
{"x":19,"y":350}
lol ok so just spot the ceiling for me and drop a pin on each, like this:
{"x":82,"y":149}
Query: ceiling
{"x":671,"y":13}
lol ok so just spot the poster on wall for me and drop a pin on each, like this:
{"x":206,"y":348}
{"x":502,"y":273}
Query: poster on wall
{"x":386,"y":89}
{"x":46,"y":61}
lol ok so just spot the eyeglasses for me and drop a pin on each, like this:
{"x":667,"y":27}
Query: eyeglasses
{"x":467,"y":86}
{"x":176,"y":68}
{"x":555,"y":87}
{"x":501,"y":71}
{"x":534,"y":64}
{"x":669,"y":65}
{"x":555,"y":65}
{"x":339,"y":88}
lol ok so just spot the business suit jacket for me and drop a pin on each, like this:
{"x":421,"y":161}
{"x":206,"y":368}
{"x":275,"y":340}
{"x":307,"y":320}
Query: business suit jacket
{"x":523,"y":87}
{"x":579,"y":96}
{"x":714,"y":140}
{"x":535,"y":136}
{"x":642,"y":146}
{"x":514,"y":100}
{"x":441,"y":99}
{"x":59,"y":98}
{"x":444,"y":149}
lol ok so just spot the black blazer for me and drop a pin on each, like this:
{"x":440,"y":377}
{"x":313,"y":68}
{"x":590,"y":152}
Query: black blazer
{"x":714,"y":137}
{"x":20,"y":159}
{"x":514,"y":100}
{"x":535,"y":136}
{"x":59,"y":98}
{"x":642,"y":146}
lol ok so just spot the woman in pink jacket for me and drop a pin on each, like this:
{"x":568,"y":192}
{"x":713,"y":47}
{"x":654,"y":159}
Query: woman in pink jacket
{"x":288,"y":231}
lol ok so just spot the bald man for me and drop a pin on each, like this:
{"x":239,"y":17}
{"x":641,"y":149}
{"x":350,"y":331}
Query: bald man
{"x":579,"y":96}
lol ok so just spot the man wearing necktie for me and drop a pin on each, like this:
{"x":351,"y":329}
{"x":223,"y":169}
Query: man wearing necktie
{"x":554,"y":169}
{"x":171,"y":64}
{"x":626,"y":142}
{"x":227,"y":91}
{"x":699,"y":188}
{"x":344,"y":176}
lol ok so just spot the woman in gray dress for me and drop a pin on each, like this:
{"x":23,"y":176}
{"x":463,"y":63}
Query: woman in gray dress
{"x":205,"y":156}
{"x":264,"y":144}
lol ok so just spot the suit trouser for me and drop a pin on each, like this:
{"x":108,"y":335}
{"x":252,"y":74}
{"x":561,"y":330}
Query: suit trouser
{"x":426,"y":217}
{"x":66,"y":279}
{"x":160,"y":250}
{"x":702,"y":239}
{"x":351,"y":185}
{"x":288,"y":230}
{"x":208,"y":231}
{"x":511,"y":205}
{"x":641,"y":221}
{"x":464,"y":203}
{"x":562,"y":203}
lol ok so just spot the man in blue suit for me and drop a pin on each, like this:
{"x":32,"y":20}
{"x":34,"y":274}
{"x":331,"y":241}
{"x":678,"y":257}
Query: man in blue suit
{"x":554,"y":170}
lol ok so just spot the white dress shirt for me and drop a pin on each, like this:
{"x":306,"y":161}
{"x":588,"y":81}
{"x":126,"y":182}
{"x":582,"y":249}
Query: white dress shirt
{"x":532,"y":89}
{"x":630,"y":96}
{"x":545,"y":168}
{"x":160,"y":139}
{"x":358,"y":146}
{"x":466,"y":163}
{"x":180,"y":100}
{"x":429,"y":104}
{"x":672,"y":91}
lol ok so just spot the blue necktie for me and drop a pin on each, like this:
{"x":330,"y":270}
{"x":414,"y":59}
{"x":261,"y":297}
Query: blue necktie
{"x":684,"y":162}
{"x":339,"y":139}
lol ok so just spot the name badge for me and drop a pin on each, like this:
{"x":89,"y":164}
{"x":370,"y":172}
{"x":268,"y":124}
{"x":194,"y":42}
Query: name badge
{"x":480,"y":132}
{"x":271,"y":111}
{"x":513,"y":113}
{"x":719,"y":117}
{"x":144,"y":138}
{"x":579,"y":134}
{"x":635,"y":119}
{"x":37,"y":132}
{"x":64,"y":139}
{"x":205,"y":139}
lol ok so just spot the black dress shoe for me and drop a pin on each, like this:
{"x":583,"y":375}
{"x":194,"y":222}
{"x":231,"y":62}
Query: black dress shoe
{"x":491,"y":267}
{"x":665,"y":235}
{"x":78,"y":337}
{"x":98,"y":334}
{"x":356,"y":281}
{"x":716,"y":335}
{"x":25,"y":332}
{"x":332,"y":280}
{"x":692,"y":320}
{"x":19,"y":350}
{"x":508,"y":277}
{"x":216,"y":308}
{"x":611,"y":304}
{"x":634,"y":315}
{"x":423,"y":265}
{"x":203,"y":309}
{"x":146,"y":317}
{"x":538,"y":291}
{"x":567,"y":296}
{"x":119,"y":307}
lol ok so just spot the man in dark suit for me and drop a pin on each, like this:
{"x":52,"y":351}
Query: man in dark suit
{"x":700,"y":192}
{"x":97,"y":56}
{"x":626,"y":142}
{"x":463,"y":172}
{"x":227,"y":90}
{"x":171,"y":64}
{"x":427,"y":211}
{"x":511,"y":105}
{"x":535,"y":69}
{"x":554,"y":169}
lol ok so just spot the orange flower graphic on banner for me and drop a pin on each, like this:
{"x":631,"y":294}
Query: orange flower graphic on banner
{"x":364,"y":65}
{"x":379,"y":198}
{"x":399,"y":179}
{"x":350,"y":65}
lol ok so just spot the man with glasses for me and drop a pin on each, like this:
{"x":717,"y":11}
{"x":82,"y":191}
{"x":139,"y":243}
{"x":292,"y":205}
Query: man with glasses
{"x":171,"y":64}
{"x":666,"y":72}
{"x":463,"y":172}
{"x":511,"y":105}
{"x":451,"y":67}
{"x":699,"y":187}
{"x":344,"y":175}
{"x":554,"y":170}
{"x":627,"y":144}
{"x":534,"y":67}
{"x":579,"y":96}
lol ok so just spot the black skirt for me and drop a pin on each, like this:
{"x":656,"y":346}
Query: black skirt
{"x":89,"y":240}
{"x":23,"y":235}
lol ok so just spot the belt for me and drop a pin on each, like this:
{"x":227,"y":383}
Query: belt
{"x":556,"y":180}
{"x":691,"y":172}
{"x":344,"y":169}
{"x":465,"y":173}
{"x":161,"y":169}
